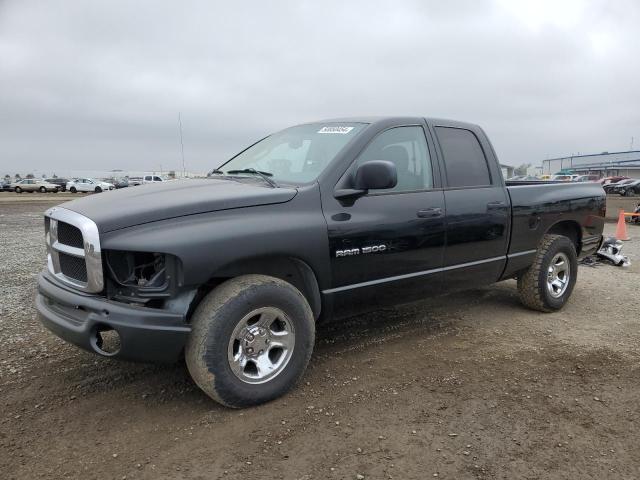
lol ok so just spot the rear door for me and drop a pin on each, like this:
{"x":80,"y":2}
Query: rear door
{"x":478,"y":214}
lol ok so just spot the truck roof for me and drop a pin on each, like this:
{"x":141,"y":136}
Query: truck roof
{"x":399,"y":119}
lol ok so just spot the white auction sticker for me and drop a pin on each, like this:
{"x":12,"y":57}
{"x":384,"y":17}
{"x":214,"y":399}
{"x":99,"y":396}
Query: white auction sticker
{"x":341,"y":130}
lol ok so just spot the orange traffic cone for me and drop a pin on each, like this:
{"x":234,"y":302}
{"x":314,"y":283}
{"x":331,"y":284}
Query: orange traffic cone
{"x":621,"y":229}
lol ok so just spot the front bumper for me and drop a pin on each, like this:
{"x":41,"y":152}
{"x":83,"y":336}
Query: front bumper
{"x":146,"y":334}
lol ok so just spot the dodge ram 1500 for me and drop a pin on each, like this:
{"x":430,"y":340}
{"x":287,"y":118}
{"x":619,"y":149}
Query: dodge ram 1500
{"x":325,"y":219}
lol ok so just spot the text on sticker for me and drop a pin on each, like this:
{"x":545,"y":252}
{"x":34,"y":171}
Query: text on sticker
{"x":342,"y":130}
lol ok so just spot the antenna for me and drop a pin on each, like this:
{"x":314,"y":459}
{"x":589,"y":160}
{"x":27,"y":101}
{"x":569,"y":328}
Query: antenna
{"x":181,"y":145}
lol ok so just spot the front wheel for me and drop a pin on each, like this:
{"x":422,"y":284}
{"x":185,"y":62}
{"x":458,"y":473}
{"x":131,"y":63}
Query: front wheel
{"x":18,"y":190}
{"x":251,"y":340}
{"x":98,"y":189}
{"x":73,"y":189}
{"x":547,"y":284}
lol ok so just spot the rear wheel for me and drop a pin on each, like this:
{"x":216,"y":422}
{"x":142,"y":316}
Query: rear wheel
{"x":18,"y":190}
{"x":43,"y":190}
{"x":547,"y":284}
{"x":98,"y":189}
{"x":251,"y":340}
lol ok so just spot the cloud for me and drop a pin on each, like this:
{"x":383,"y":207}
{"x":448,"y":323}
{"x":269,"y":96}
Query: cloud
{"x":90,"y":85}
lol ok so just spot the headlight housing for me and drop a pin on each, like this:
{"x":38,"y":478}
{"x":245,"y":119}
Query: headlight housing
{"x":146,"y":278}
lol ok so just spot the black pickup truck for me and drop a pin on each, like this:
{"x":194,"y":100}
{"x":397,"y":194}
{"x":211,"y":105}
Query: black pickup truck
{"x":325,"y":219}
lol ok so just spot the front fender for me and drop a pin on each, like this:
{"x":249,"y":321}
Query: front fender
{"x":207,"y":243}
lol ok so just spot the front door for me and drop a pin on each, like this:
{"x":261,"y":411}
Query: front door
{"x":387,"y":246}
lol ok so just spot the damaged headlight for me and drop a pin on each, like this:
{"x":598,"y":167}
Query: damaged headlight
{"x":140,"y":277}
{"x":137,"y":269}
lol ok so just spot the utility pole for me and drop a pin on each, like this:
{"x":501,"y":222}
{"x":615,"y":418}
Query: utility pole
{"x":181,"y":145}
{"x":631,"y":146}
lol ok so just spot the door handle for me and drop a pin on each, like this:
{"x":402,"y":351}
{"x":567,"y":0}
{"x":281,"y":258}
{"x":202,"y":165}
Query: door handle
{"x":496,"y":205}
{"x":432,"y":212}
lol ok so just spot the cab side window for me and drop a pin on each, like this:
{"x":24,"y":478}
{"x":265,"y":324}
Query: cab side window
{"x":406,"y":147}
{"x":464,"y":159}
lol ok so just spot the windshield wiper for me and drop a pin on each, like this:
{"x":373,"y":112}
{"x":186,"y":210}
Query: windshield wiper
{"x":264,"y":175}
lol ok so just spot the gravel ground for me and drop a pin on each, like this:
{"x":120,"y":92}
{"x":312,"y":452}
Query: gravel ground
{"x":470,"y":385}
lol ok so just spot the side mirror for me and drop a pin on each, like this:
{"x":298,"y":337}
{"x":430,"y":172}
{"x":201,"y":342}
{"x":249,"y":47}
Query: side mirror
{"x":376,"y":175}
{"x":372,"y":175}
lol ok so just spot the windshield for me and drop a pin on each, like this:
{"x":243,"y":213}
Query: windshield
{"x":295,"y":155}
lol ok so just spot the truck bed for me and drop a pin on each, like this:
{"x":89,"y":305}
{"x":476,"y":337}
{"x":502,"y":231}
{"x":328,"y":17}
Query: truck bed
{"x":575,"y":208}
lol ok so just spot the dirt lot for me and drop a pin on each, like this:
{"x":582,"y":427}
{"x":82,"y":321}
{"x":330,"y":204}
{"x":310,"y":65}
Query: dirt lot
{"x":465,"y":386}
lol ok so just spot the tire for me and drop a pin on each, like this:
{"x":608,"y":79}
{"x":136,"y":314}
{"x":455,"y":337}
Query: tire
{"x":73,"y":189}
{"x":213,"y":342}
{"x":98,"y":190}
{"x":43,"y":190}
{"x":533,"y":284}
{"x":18,"y":190}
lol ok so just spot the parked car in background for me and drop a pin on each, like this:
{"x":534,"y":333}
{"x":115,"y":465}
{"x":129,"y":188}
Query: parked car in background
{"x":587,"y":178}
{"x":152,"y":179}
{"x":524,"y":178}
{"x":563,"y":178}
{"x":34,"y":185}
{"x":5,"y":186}
{"x":609,"y":187}
{"x":133,"y":181}
{"x":614,"y":179}
{"x":61,"y":182}
{"x":88,"y":185}
{"x":118,"y":182}
{"x":628,"y":189}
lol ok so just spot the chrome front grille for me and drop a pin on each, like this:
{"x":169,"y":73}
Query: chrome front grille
{"x":73,"y":249}
{"x":70,"y":235}
{"x":73,"y":267}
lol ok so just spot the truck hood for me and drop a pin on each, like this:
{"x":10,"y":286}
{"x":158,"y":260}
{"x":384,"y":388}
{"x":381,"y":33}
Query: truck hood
{"x":163,"y":200}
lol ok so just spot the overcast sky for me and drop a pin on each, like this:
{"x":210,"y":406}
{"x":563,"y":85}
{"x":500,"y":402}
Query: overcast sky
{"x":98,"y":85}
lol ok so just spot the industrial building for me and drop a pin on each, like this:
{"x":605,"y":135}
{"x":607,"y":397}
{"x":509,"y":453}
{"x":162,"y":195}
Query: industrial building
{"x":604,"y":164}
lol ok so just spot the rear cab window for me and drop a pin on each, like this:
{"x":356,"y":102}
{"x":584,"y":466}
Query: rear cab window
{"x":464,"y":159}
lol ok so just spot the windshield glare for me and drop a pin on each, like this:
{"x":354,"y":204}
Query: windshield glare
{"x":298,"y":154}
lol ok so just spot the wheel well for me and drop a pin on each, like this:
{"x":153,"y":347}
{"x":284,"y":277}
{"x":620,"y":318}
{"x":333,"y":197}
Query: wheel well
{"x":292,"y":270}
{"x":569,"y":229}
